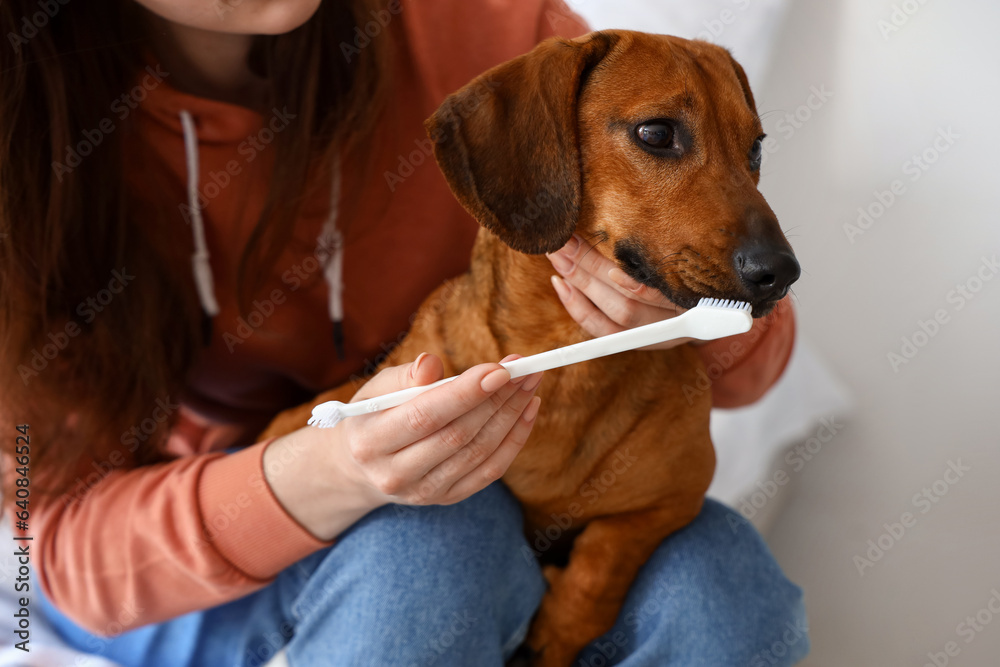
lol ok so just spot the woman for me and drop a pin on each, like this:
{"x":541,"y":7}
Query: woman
{"x":213,"y":210}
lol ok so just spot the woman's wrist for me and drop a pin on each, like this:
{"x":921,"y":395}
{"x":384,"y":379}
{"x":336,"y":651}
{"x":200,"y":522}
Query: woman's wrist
{"x":313,"y":484}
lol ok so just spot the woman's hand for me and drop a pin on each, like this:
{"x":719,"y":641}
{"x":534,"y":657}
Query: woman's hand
{"x":602,"y":298}
{"x":437,"y":449}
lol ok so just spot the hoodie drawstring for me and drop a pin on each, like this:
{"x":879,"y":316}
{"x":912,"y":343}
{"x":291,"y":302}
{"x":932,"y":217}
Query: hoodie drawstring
{"x":331,"y":239}
{"x":200,"y":265}
{"x":330,"y":246}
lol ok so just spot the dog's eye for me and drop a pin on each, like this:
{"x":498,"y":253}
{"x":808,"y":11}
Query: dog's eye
{"x":657,"y":134}
{"x":756,"y":154}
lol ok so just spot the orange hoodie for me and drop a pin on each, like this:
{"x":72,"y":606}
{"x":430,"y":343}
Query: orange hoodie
{"x":205,"y":529}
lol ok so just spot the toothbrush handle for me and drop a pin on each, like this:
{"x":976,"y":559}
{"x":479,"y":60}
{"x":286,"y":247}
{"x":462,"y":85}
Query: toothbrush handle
{"x":630,"y":339}
{"x":544,"y":361}
{"x":387,"y":401}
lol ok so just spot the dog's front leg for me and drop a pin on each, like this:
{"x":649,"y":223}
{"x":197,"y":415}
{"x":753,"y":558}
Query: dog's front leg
{"x":584,"y":599}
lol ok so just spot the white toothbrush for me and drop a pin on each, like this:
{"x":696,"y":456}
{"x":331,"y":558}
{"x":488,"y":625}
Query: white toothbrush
{"x":710,"y":319}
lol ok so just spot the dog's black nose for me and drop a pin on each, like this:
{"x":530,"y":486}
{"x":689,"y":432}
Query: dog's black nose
{"x":767,"y":272}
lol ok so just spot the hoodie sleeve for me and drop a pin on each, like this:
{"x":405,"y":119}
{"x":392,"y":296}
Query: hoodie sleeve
{"x":164,"y":540}
{"x":740,"y":369}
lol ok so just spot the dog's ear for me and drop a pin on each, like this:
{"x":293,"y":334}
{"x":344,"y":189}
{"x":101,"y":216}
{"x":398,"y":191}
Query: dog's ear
{"x":744,"y":82}
{"x":508,"y":143}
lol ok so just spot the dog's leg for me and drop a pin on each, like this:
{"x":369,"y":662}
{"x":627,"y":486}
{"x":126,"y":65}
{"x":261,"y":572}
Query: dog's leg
{"x":584,"y":599}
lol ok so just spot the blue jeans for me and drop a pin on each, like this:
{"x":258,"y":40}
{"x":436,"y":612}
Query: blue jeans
{"x":452,"y":586}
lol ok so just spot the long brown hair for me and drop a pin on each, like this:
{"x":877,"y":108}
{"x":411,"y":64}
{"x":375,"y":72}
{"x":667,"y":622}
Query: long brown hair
{"x":80,"y":382}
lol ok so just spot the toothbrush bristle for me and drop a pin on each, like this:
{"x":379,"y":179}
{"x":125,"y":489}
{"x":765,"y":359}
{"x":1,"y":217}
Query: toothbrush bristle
{"x":325,"y":416}
{"x":725,"y":303}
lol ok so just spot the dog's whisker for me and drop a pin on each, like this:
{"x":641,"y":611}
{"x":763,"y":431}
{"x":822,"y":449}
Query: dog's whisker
{"x":602,"y":234}
{"x":594,"y":246}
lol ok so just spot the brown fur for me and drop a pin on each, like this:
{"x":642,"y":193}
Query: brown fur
{"x":548,"y":154}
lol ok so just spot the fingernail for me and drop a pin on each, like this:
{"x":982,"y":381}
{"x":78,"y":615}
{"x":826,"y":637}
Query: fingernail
{"x":495,"y":380}
{"x":562,"y":289}
{"x":561,"y":262}
{"x":416,"y":364}
{"x":533,"y":382}
{"x":531,"y":411}
{"x":572,"y":245}
{"x":512,"y":357}
{"x":624,"y":279}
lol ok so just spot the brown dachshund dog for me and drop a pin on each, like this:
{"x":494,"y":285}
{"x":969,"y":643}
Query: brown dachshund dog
{"x":649,"y":145}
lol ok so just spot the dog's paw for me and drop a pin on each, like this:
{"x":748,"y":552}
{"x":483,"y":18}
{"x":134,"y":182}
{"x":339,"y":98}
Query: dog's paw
{"x":548,"y":648}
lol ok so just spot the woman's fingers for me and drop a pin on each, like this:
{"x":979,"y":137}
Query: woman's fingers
{"x":448,"y":462}
{"x":617,"y":295}
{"x":415,"y":452}
{"x":425,"y":369}
{"x":392,"y":429}
{"x":633,"y":289}
{"x":583,"y":310}
{"x":497,"y":463}
{"x":460,"y":436}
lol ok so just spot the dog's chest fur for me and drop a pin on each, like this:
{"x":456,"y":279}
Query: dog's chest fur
{"x":613,"y":434}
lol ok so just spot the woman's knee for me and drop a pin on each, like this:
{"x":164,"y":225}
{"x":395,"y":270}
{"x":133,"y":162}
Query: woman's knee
{"x":712,"y":593}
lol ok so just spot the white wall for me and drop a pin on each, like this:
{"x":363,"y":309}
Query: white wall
{"x":891,"y":96}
